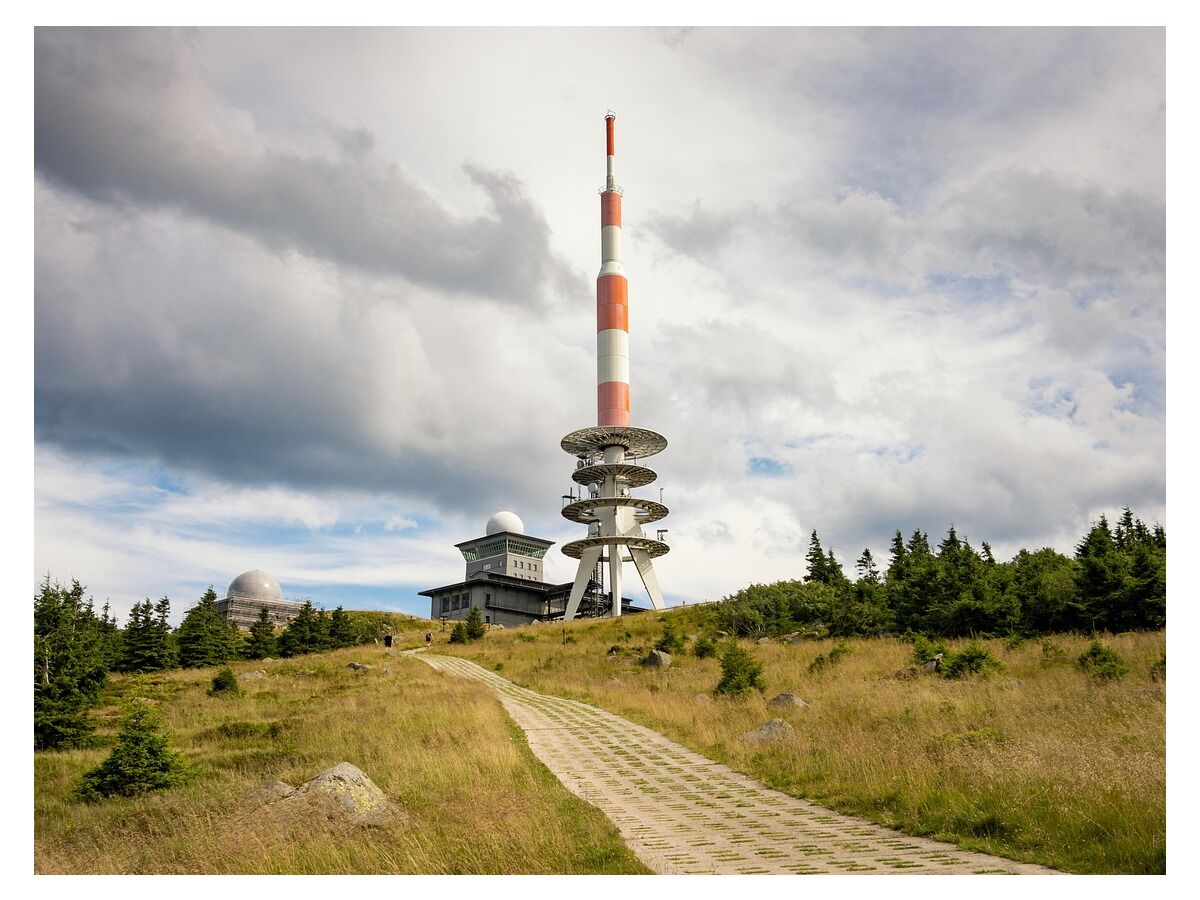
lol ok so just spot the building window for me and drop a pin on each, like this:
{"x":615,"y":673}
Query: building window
{"x":445,"y":604}
{"x":454,"y":602}
{"x":487,"y":600}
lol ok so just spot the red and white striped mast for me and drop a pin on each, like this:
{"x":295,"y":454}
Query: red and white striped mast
{"x":612,"y":303}
{"x":608,"y":454}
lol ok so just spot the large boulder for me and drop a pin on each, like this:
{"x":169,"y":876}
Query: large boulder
{"x":342,"y":793}
{"x":774,"y":732}
{"x":656,"y":659}
{"x":787,"y":701}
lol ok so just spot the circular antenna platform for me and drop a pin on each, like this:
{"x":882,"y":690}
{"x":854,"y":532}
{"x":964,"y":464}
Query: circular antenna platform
{"x":584,"y":511}
{"x":653,"y":548}
{"x":638,"y":442}
{"x":628,"y":474}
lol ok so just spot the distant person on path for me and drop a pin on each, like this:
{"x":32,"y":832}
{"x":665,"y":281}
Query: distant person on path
{"x":387,"y":641}
{"x":428,"y":638}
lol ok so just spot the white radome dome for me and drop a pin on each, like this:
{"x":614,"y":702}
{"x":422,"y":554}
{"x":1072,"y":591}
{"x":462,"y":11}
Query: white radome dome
{"x":505,"y":521}
{"x":255,"y":585}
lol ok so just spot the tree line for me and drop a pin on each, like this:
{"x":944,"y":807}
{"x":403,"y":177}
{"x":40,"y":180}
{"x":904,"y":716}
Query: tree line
{"x":74,"y":648}
{"x":1115,"y":581}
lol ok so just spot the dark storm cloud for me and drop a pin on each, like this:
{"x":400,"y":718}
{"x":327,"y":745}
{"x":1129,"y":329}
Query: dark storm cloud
{"x":124,"y":116}
{"x":1044,"y":227}
{"x":257,"y":369}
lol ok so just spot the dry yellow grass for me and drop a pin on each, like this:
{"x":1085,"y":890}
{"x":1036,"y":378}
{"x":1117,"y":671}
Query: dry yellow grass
{"x":1040,"y":763}
{"x":442,"y":749}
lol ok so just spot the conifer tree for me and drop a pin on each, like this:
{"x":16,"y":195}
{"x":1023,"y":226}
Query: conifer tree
{"x":897,"y":552}
{"x":165,"y":638}
{"x":204,"y":638}
{"x":474,"y":627}
{"x":341,"y":631}
{"x":144,"y":645}
{"x":262,"y":641}
{"x":834,"y":576}
{"x":816,"y":560}
{"x":69,"y":666}
{"x":867,"y":570}
{"x":302,"y":634}
{"x":141,"y":761}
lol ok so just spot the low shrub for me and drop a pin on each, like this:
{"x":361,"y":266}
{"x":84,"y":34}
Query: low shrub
{"x":924,"y":649}
{"x":458,"y":634}
{"x":1051,"y":652}
{"x":670,"y":642}
{"x":1014,"y":641}
{"x":824,"y":661}
{"x":1102,"y":662}
{"x":1158,"y":671}
{"x":526,"y":637}
{"x":740,"y":672}
{"x":970,"y":660}
{"x":224,"y":682}
{"x":705,"y":647}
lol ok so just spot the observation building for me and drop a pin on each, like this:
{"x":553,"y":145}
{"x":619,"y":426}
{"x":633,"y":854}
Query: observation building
{"x":506,"y":580}
{"x":249,"y":593}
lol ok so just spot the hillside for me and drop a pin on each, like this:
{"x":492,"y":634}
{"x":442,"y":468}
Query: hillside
{"x":1038,"y":762}
{"x":441,"y":748}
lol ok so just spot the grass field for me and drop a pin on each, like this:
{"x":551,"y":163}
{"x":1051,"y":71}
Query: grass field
{"x":1040,"y":762}
{"x":441,"y":748}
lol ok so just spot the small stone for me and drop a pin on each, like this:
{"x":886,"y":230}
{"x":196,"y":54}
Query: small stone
{"x":656,"y":659}
{"x":787,"y":701}
{"x":359,"y":667}
{"x":267,"y":659}
{"x":702,"y":698}
{"x":933,"y":665}
{"x":774,"y":732}
{"x":1015,"y":682}
{"x":256,"y":675}
{"x":305,"y":672}
{"x":272,"y":791}
{"x":763,"y":640}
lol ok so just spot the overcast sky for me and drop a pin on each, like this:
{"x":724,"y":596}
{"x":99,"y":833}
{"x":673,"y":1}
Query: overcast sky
{"x":321,"y":301}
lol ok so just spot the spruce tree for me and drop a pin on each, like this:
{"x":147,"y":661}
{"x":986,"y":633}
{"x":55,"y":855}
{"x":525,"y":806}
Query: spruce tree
{"x":341,"y":630}
{"x":204,"y":638}
{"x":165,"y":639}
{"x":262,"y":641}
{"x":474,"y":627}
{"x":144,"y":645}
{"x":141,"y":761}
{"x":816,"y":560}
{"x":69,"y":666}
{"x":867,"y":570}
{"x":302,"y":634}
{"x":834,"y":576}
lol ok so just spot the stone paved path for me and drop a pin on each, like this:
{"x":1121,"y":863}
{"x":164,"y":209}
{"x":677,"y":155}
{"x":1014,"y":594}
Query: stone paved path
{"x":683,"y":813}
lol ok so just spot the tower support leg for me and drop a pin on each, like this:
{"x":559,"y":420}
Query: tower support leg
{"x":587,"y":565}
{"x":614,"y":576}
{"x":645,"y":568}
